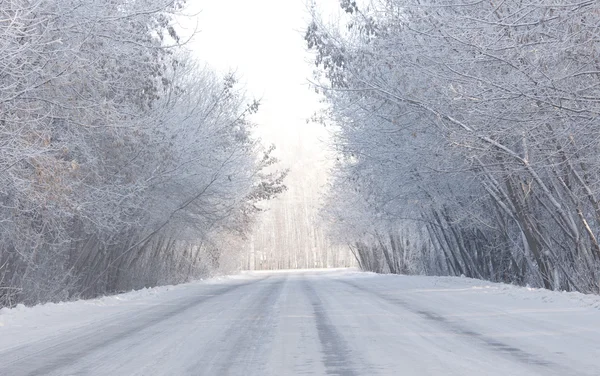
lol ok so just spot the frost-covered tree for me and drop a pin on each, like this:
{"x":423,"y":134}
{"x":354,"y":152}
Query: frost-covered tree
{"x":122,"y":162}
{"x":467,"y":135}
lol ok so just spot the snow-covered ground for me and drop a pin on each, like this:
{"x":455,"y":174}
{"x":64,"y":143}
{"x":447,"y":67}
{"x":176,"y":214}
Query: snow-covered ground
{"x":21,"y":325}
{"x":309,"y":322}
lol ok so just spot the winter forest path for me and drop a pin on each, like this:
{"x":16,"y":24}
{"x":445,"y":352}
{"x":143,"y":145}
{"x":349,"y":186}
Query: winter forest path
{"x":322,"y":323}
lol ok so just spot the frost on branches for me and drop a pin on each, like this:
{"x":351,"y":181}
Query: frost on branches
{"x":123,"y":163}
{"x":467,"y":135}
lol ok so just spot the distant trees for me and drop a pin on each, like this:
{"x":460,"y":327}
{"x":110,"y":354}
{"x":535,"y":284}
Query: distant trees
{"x":123,"y":164}
{"x":468,"y":137}
{"x":289,"y":233}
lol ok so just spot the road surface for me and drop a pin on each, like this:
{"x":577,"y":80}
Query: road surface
{"x":315,"y":323}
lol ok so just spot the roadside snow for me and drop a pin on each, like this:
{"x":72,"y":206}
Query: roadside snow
{"x":425,"y":284}
{"x":23,"y":324}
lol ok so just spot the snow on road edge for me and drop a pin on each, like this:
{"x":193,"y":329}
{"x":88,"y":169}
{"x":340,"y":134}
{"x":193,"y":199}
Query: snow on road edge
{"x":416,"y":284}
{"x":22,"y":324}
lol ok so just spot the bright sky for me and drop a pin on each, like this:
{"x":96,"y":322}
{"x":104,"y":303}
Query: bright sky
{"x":262,"y":41}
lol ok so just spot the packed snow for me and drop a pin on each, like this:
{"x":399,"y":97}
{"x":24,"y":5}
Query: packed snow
{"x":311,"y":322}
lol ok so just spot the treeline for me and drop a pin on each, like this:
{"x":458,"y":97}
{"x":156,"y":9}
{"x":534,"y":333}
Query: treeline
{"x":123,"y":163}
{"x":290,"y":234}
{"x":468,"y":135}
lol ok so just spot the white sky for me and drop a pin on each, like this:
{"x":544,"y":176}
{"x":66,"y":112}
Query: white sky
{"x":262,"y":41}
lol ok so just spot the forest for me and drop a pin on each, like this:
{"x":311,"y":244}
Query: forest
{"x":466,"y":137}
{"x":124,"y":162}
{"x":463,"y":137}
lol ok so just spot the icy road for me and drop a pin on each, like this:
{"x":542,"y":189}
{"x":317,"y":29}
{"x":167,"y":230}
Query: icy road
{"x":309,"y":323}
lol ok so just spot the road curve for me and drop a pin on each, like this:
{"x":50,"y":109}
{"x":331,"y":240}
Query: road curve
{"x":326,"y":323}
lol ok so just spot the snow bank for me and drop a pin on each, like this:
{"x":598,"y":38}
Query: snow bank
{"x":426,"y":284}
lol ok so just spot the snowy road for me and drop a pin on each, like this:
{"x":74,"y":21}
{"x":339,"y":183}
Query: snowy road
{"x":310,"y":323}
